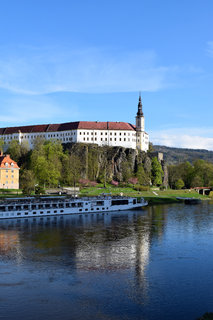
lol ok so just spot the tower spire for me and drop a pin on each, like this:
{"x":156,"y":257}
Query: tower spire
{"x":140,"y":112}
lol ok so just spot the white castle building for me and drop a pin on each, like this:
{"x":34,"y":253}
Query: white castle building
{"x":102,"y":133}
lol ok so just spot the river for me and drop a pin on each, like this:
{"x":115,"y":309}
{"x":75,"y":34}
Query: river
{"x":151,"y":264}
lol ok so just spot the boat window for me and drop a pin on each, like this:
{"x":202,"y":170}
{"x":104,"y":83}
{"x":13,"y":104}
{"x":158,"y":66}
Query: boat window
{"x":74,"y":205}
{"x":26,"y":213}
{"x":134,"y":201}
{"x":55,"y":211}
{"x":67,"y":205}
{"x":47,"y":205}
{"x":61,"y":205}
{"x":48,"y":211}
{"x":119,"y":202}
{"x":103,"y":208}
{"x":25,"y":207}
{"x":99,"y":203}
{"x":34,"y":212}
{"x":61,"y":210}
{"x":41,"y":212}
{"x":18,"y":213}
{"x":10,"y":208}
{"x":86,"y":209}
{"x":92,"y":208}
{"x":80,"y":209}
{"x":97,"y":208}
{"x":80,"y":204}
{"x":33,"y":206}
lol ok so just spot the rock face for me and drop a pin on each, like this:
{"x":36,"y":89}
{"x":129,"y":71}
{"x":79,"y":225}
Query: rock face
{"x":115,"y":162}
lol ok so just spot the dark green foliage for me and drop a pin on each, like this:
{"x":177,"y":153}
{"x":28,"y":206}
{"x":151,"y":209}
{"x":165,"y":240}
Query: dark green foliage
{"x":157,"y":172}
{"x":179,"y":155}
{"x":200,"y":174}
{"x":27,"y":182}
{"x":143,"y":177}
{"x":54,"y":164}
{"x":179,"y":184}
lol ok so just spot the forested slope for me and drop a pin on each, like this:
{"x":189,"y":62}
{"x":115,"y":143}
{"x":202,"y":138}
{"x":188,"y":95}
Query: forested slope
{"x":179,"y":155}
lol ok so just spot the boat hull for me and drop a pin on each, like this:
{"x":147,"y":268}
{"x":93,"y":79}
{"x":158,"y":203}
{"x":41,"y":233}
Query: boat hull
{"x":77,"y":206}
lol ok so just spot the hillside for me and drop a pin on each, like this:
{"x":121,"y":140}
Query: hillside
{"x":177,"y":155}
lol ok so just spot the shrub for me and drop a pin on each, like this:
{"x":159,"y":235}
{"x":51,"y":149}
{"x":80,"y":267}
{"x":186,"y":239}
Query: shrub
{"x":179,"y":184}
{"x":138,"y":187}
{"x":114,"y":183}
{"x":211,"y":194}
{"x":133,"y":180}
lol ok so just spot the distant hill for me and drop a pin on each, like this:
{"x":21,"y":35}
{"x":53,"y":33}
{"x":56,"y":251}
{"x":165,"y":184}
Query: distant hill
{"x":178,"y":155}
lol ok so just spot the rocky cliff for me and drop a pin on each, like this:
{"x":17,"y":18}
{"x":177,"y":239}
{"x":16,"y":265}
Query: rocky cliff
{"x":115,"y":163}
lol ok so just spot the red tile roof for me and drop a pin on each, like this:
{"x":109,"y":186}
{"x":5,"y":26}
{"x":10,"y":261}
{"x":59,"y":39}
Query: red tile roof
{"x":88,"y":125}
{"x":9,"y":161}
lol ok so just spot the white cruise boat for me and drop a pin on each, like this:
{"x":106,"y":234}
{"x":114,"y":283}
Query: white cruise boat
{"x":48,"y":206}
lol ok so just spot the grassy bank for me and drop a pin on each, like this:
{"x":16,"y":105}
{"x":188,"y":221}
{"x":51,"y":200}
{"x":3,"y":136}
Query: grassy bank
{"x":153,"y":196}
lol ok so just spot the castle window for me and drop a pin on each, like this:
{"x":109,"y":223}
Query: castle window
{"x":101,"y":139}
{"x":101,"y":133}
{"x":84,"y":132}
{"x":124,"y":139}
{"x":84,"y":139}
{"x":105,"y":139}
{"x":105,"y":133}
{"x":110,"y":133}
{"x":80,"y":132}
{"x":120,"y":139}
{"x":124,"y":133}
{"x":95,"y":139}
{"x":120,"y":133}
{"x":87,"y":139}
{"x":110,"y":139}
{"x":87,"y":132}
{"x":115,"y":139}
{"x":95,"y":133}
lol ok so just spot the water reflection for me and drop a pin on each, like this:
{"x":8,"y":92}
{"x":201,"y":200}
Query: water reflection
{"x":124,"y":265}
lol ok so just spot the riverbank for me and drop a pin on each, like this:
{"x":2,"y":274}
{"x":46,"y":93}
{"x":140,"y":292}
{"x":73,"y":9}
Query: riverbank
{"x":153,"y":196}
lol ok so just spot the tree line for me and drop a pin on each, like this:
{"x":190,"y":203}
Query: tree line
{"x":51,"y":164}
{"x":197,"y":174}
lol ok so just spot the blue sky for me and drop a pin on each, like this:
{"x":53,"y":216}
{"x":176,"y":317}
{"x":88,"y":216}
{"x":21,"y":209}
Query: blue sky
{"x":72,"y":60}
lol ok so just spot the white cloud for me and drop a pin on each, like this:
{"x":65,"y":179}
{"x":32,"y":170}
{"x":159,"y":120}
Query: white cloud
{"x":192,"y":138}
{"x":37,"y":71}
{"x":20,"y":110}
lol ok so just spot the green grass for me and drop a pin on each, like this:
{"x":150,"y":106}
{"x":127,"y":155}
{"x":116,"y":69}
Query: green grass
{"x":166,"y":196}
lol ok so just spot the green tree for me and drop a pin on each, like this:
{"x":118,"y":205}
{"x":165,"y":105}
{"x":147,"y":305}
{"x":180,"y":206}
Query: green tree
{"x":1,"y":145}
{"x":143,"y":177}
{"x":46,"y":162}
{"x":179,"y":184}
{"x":27,"y":182}
{"x":157,"y":172}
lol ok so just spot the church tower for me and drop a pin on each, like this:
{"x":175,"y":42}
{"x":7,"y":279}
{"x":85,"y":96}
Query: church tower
{"x":140,"y":125}
{"x":142,"y":138}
